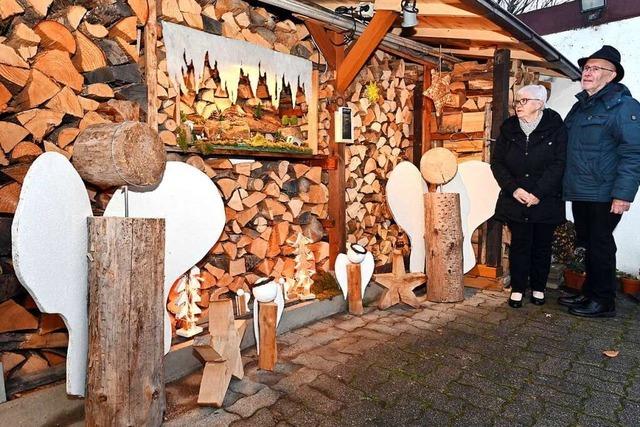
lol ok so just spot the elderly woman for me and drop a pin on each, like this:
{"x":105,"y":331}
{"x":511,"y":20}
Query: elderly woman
{"x":528,"y":162}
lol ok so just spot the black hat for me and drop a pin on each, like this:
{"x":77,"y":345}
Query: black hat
{"x":608,"y":53}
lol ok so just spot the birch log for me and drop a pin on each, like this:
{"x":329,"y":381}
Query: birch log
{"x":443,"y":239}
{"x":125,"y":381}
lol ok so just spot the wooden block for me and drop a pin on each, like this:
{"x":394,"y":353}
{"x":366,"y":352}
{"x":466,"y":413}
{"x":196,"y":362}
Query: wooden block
{"x":215,"y":381}
{"x":354,"y":292}
{"x":473,"y":122}
{"x":486,"y":271}
{"x":268,"y":351}
{"x":203,"y":347}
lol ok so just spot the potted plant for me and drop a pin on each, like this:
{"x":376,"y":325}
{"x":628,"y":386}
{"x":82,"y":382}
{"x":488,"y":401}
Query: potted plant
{"x":630,"y":283}
{"x":574,"y":274}
{"x":564,"y":251}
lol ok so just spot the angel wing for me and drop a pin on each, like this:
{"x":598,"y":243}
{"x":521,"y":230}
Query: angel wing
{"x":280,"y":303}
{"x":405,"y":188}
{"x":341,"y":273}
{"x":478,"y":191}
{"x":366,"y":271}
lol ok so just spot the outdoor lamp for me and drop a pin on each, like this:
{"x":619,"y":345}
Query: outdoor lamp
{"x":409,"y":13}
{"x":592,"y":9}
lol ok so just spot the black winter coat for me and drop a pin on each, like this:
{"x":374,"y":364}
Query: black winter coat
{"x":535,"y":164}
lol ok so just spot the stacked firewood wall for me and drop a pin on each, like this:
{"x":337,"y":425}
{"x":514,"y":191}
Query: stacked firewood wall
{"x":65,"y":65}
{"x":383,"y":138}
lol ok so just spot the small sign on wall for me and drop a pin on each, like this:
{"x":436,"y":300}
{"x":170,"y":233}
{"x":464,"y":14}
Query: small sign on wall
{"x":344,"y":125}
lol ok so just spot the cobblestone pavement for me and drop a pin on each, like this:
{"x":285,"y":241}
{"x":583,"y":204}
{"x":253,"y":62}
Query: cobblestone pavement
{"x":468,"y":364}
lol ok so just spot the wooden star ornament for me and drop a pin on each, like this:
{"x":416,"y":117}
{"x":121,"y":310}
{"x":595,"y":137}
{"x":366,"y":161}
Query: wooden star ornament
{"x":398,"y":284}
{"x":439,"y":91}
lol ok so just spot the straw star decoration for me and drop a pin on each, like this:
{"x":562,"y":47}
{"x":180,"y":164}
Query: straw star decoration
{"x":439,"y":92}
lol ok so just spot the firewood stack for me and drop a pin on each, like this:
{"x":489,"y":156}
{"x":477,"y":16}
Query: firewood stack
{"x":384,"y":136}
{"x":266,"y":204}
{"x":63,"y":67}
{"x":464,"y":118}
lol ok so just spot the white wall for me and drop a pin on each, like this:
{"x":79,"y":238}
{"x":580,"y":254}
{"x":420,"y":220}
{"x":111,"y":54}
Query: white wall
{"x":582,"y":42}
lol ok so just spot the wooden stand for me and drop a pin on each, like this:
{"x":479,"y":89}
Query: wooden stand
{"x":354,"y":292}
{"x":125,"y":381}
{"x":268,"y":351}
{"x":398,"y":284}
{"x":443,"y":236}
{"x":220,"y":350}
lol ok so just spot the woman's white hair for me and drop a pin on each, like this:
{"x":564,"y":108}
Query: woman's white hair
{"x":534,"y":91}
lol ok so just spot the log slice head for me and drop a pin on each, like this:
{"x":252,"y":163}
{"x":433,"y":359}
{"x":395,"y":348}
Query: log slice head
{"x":115,"y":154}
{"x":438,"y":165}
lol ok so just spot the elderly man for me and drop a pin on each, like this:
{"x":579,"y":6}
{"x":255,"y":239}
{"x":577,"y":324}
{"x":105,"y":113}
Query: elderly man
{"x":602,"y":174}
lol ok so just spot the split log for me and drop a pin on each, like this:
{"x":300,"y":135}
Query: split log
{"x":54,"y":35}
{"x":40,"y":121}
{"x":9,"y":8}
{"x":443,"y":238}
{"x":127,"y":268}
{"x":67,"y":102}
{"x":15,"y":75}
{"x":24,"y":40}
{"x":8,"y":56}
{"x":15,"y":317}
{"x":57,"y":65}
{"x":25,"y":151}
{"x":94,"y":30}
{"x":39,"y":89}
{"x":268,"y":351}
{"x":74,"y":15}
{"x":118,"y":154}
{"x":141,"y":9}
{"x":12,"y":134}
{"x":88,"y":56}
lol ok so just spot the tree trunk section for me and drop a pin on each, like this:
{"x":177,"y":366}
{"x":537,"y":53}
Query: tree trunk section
{"x":115,"y":154}
{"x":354,"y":292}
{"x":268,"y":313}
{"x":443,"y":235}
{"x":125,"y":381}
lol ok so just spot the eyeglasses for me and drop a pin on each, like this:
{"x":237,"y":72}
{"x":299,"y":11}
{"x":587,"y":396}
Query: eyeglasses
{"x":595,"y":69}
{"x":523,"y":101}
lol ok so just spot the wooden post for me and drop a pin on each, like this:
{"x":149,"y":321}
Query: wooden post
{"x":354,"y":290}
{"x":125,"y":380}
{"x":443,"y":235}
{"x":268,"y":355}
{"x":151,"y":63}
{"x":423,"y":107}
{"x":337,"y":184}
{"x":499,"y":113}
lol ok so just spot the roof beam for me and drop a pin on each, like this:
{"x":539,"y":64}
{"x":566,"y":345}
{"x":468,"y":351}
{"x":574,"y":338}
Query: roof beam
{"x":401,"y":46}
{"x":461,"y":34}
{"x":364,"y":47}
{"x":490,"y":52}
{"x":324,"y":42}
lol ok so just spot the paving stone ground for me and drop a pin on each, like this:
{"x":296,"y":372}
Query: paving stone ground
{"x":475,"y":363}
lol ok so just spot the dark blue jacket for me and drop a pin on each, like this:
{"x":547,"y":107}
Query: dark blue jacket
{"x":603,"y":151}
{"x":535,"y":164}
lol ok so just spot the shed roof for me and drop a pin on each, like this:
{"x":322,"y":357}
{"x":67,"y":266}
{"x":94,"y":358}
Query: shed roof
{"x":466,"y":29}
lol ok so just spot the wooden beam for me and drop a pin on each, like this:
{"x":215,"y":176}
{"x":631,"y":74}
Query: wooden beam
{"x":461,"y":34}
{"x":490,"y":52}
{"x":364,"y":47}
{"x":151,"y":64}
{"x":323,"y":41}
{"x":500,"y":112}
{"x":337,"y":182}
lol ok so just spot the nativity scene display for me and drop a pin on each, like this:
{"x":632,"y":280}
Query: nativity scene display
{"x":237,"y":95}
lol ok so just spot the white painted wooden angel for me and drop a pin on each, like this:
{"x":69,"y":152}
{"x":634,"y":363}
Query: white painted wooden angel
{"x":266,"y":290}
{"x":356,"y":254}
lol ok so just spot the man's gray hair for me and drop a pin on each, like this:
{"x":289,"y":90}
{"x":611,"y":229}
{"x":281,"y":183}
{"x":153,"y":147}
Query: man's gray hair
{"x":534,"y":91}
